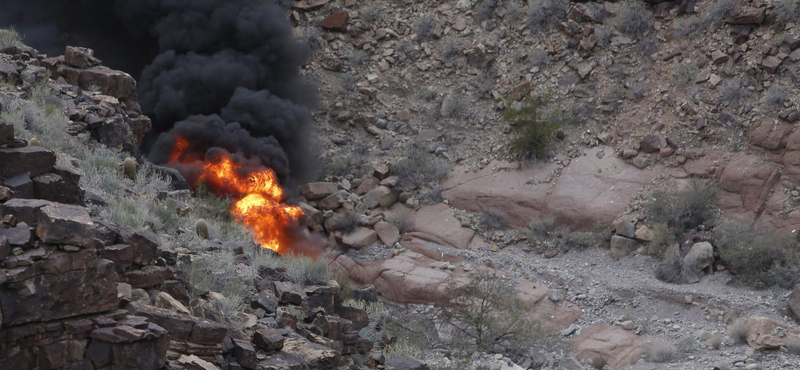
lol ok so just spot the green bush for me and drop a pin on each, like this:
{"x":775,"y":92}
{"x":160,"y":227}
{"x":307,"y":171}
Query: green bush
{"x":686,"y":210}
{"x":9,"y":37}
{"x":758,"y":257}
{"x":486,"y":312}
{"x":419,"y":168}
{"x":534,"y":127}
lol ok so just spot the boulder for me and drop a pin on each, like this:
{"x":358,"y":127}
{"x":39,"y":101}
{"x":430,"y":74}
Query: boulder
{"x":591,"y":189}
{"x":359,"y":238}
{"x":619,"y":348}
{"x":376,"y":196}
{"x":21,"y":185}
{"x":697,"y":260}
{"x":177,"y":181}
{"x":6,"y":194}
{"x":244,"y":353}
{"x":624,"y":228}
{"x":6,"y":133}
{"x":289,"y":293}
{"x":651,"y":143}
{"x":747,"y":15}
{"x":53,"y":187}
{"x":146,"y":277}
{"x":182,"y":327}
{"x":24,"y":210}
{"x":65,"y":224}
{"x":318,"y":190}
{"x":644,"y":234}
{"x":406,"y":363}
{"x":622,"y":246}
{"x":110,"y":82}
{"x":337,"y":21}
{"x":794,"y":297}
{"x":144,"y":244}
{"x":193,"y":362}
{"x":299,"y":353}
{"x":32,"y":160}
{"x":166,"y":301}
{"x":268,"y":340}
{"x":18,"y":236}
{"x":36,"y":292}
{"x":388,"y":233}
{"x":764,"y":333}
{"x":123,"y":347}
{"x":750,"y":179}
{"x":540,"y":307}
{"x":80,"y":57}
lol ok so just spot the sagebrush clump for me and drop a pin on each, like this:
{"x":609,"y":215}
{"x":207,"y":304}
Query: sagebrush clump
{"x":659,"y":351}
{"x":777,"y":96}
{"x":423,"y":27}
{"x":685,"y":210}
{"x":419,"y":168}
{"x":9,"y":36}
{"x":634,"y":18}
{"x":546,"y":13}
{"x":758,"y":257}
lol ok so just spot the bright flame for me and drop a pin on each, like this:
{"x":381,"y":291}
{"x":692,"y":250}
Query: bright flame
{"x":256,"y":192}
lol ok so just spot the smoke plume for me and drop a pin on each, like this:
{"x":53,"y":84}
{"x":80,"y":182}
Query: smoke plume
{"x":222,"y":73}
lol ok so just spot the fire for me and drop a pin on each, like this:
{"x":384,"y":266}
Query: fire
{"x":255,"y":190}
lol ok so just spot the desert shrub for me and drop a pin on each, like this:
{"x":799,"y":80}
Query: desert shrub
{"x":534,"y":127}
{"x":450,"y":46}
{"x":514,"y":13}
{"x":486,"y":80}
{"x":786,"y":11}
{"x":486,"y":312}
{"x":715,"y":342}
{"x":349,"y":222}
{"x":793,"y":345}
{"x":347,"y":82}
{"x":634,"y":18}
{"x":540,"y":229}
{"x":358,"y":57}
{"x":218,"y":272}
{"x":758,"y":257}
{"x":313,"y":38}
{"x":579,"y":240}
{"x":429,"y":94}
{"x":598,"y":363}
{"x":349,"y":163}
{"x":637,"y":91}
{"x":603,"y":35}
{"x":490,"y":221}
{"x":398,"y":219}
{"x":659,"y":351}
{"x":671,"y":269}
{"x":371,"y":14}
{"x":685,"y":210}
{"x":663,"y":238}
{"x":546,"y":13}
{"x":378,"y":315}
{"x":539,"y":57}
{"x":430,"y":195}
{"x":9,"y":36}
{"x":687,"y":345}
{"x":733,"y":92}
{"x":419,"y":168}
{"x":423,"y":27}
{"x":694,"y":24}
{"x":776,"y":97}
{"x":683,"y":73}
{"x":299,"y":269}
{"x":484,"y":10}
{"x":719,"y":10}
{"x":738,"y":331}
{"x":458,"y":105}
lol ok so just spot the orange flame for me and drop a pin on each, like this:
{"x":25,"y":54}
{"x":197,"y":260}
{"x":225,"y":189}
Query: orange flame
{"x":256,"y":192}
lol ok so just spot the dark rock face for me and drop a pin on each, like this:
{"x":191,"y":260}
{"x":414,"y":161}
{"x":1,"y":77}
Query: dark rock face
{"x":32,"y":160}
{"x":65,"y":224}
{"x":60,"y":285}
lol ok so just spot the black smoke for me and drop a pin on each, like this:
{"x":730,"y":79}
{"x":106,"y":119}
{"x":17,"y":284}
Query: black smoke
{"x":231,"y":65}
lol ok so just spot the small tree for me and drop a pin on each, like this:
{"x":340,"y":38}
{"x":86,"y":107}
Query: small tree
{"x":486,"y":311}
{"x":533,"y":126}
